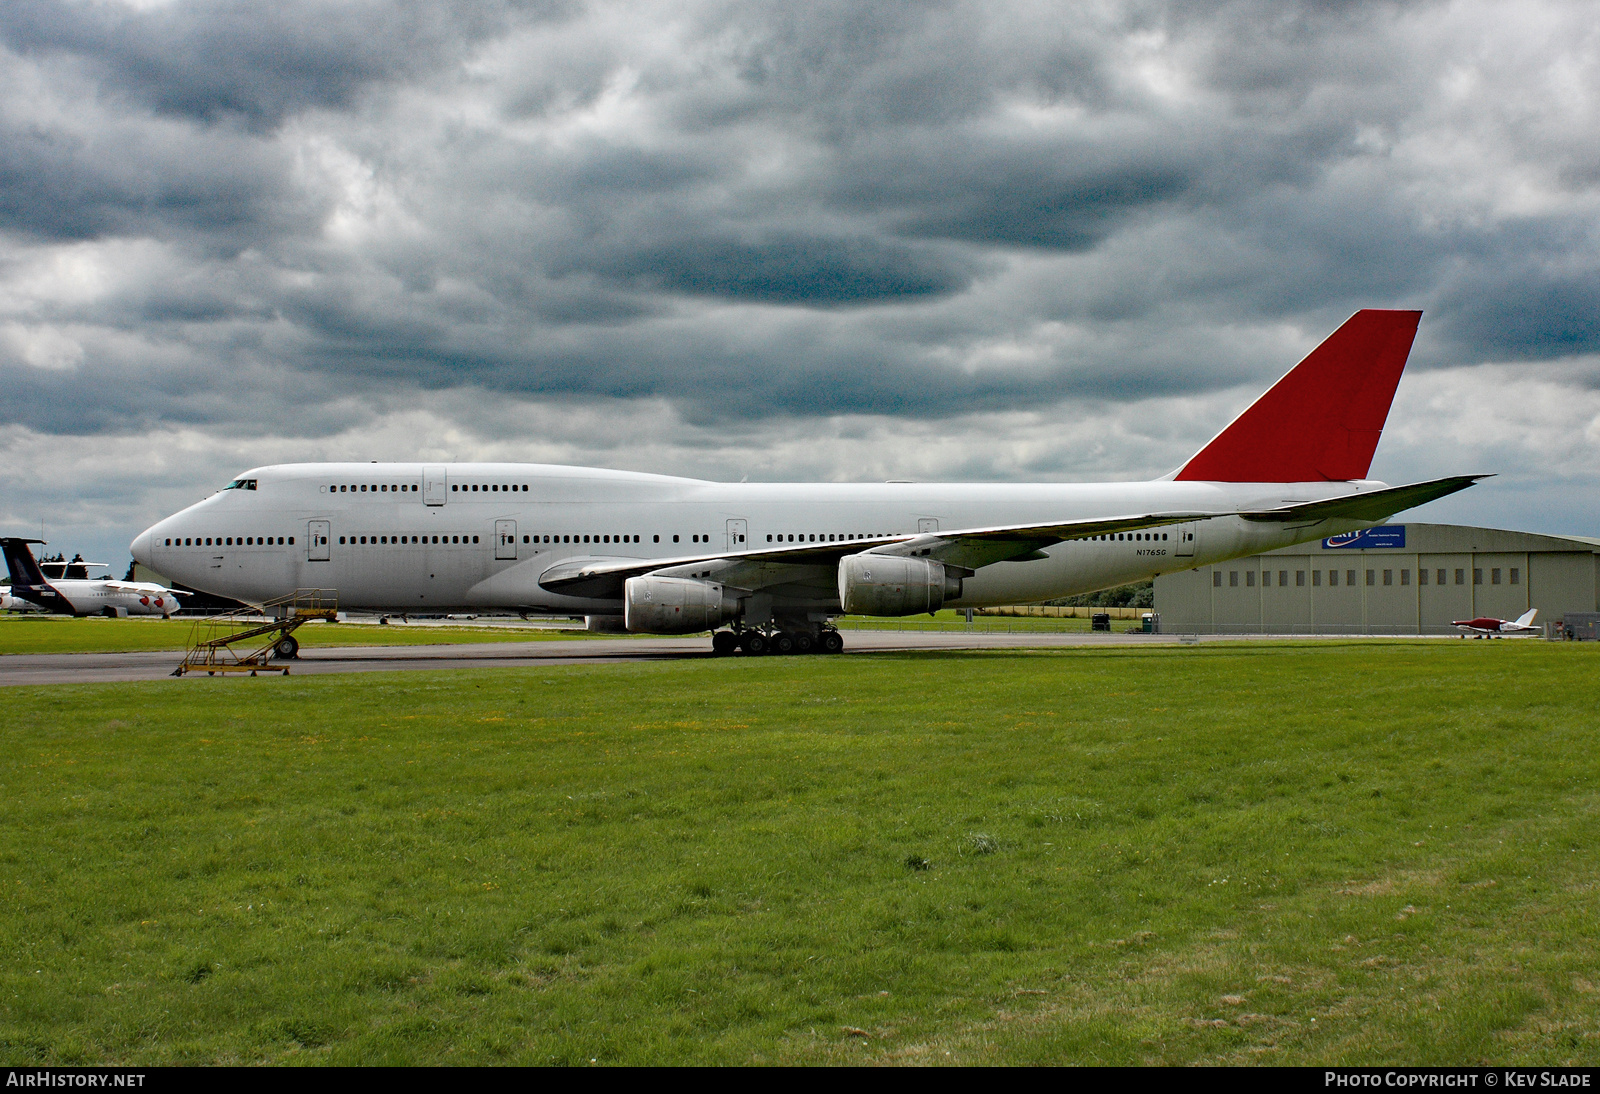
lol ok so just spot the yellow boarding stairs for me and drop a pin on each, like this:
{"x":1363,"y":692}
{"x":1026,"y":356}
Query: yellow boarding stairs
{"x":242,"y":641}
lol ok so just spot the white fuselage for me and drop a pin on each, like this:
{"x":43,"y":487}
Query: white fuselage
{"x":88,"y":596}
{"x":432,"y":538}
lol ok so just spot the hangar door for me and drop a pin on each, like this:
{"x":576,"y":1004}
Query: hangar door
{"x":505,"y":540}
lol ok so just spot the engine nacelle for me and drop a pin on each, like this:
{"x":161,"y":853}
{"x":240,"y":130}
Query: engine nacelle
{"x":675,"y":605}
{"x":894,"y":585}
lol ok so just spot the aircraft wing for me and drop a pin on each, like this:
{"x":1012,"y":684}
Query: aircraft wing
{"x":1376,"y":505}
{"x":967,"y":549}
{"x":143,"y":587}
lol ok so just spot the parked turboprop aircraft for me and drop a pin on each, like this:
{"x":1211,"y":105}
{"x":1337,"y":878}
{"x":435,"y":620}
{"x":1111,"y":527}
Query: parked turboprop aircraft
{"x":81,"y":596}
{"x":1487,"y":624}
{"x":776,"y":562}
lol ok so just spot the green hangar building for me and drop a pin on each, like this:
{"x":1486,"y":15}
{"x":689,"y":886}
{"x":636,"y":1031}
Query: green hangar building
{"x":1395,"y":579}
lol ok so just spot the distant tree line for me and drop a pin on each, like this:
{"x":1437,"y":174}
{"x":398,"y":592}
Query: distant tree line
{"x":1141,"y":594}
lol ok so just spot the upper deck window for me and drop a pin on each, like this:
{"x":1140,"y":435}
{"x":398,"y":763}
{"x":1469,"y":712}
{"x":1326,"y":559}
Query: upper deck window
{"x":241,"y":484}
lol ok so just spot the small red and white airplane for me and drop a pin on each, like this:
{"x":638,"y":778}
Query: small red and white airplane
{"x":1489,"y":625}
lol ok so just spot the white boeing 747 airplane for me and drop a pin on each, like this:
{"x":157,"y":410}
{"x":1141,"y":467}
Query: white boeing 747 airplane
{"x":773,"y":563}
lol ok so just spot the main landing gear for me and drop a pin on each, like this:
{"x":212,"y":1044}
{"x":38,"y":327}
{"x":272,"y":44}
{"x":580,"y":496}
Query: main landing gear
{"x":777,"y":640}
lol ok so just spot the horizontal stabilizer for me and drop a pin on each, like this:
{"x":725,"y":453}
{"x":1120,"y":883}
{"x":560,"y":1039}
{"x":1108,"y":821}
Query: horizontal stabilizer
{"x":1375,"y":505}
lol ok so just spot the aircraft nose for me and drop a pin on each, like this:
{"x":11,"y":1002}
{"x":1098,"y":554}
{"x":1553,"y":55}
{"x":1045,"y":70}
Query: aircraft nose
{"x":142,"y":543}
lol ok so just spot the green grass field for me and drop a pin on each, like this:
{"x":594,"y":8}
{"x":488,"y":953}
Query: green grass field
{"x":60,"y":634}
{"x":1278,"y":853}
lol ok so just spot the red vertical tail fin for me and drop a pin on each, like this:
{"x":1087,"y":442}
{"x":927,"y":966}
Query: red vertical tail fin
{"x":1322,"y":421}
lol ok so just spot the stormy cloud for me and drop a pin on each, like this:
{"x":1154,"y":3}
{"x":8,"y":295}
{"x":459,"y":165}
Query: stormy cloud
{"x":892,"y":240}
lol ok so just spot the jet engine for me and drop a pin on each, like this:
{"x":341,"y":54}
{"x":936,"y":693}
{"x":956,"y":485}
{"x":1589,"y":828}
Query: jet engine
{"x":675,"y":605}
{"x":892,"y":585}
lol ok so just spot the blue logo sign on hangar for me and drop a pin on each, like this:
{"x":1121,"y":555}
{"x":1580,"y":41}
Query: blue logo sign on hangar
{"x":1385,"y":535}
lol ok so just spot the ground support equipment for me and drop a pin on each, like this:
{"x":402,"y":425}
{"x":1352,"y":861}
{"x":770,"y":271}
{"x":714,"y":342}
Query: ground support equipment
{"x":247,"y":640}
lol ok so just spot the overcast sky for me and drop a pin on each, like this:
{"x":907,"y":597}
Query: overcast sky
{"x":1025,"y":241}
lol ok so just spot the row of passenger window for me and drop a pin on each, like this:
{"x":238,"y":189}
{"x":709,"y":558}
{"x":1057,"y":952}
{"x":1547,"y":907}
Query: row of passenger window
{"x":813,"y":537}
{"x":397,"y":540}
{"x":373,"y":488}
{"x":1440,"y":577}
{"x":530,"y":538}
{"x":228,"y":541}
{"x":591,"y":539}
{"x":832,"y":537}
{"x":822,"y":537}
{"x":409,"y":487}
{"x":262,"y":541}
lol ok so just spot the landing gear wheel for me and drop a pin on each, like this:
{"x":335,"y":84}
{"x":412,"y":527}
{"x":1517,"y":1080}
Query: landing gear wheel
{"x":783,"y":642}
{"x":804,"y":643}
{"x":832,"y":642}
{"x":753,"y":642}
{"x":724,"y":643}
{"x":286,"y":648}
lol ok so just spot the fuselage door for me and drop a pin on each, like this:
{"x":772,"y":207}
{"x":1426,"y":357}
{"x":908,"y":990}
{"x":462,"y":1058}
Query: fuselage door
{"x":505,"y":540}
{"x":317,"y":541}
{"x":1186,"y":540}
{"x":435,"y":485}
{"x":737,"y":536}
{"x":927,"y":524}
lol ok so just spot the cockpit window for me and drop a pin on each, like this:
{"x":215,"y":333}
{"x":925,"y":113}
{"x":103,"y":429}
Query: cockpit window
{"x":241,"y":484}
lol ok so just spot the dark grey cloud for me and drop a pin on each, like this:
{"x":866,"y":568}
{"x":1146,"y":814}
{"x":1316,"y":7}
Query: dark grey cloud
{"x":256,"y":63}
{"x":64,"y":185}
{"x":1533,"y":293}
{"x":921,"y":211}
{"x":1045,"y":210}
{"x":787,"y":268}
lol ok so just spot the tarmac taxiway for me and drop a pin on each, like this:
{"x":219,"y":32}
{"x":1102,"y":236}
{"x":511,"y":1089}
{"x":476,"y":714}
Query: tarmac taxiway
{"x":100,"y":668}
